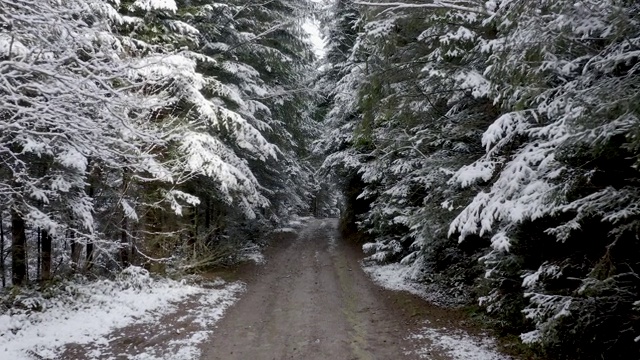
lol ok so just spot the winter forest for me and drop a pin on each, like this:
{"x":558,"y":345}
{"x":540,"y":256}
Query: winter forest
{"x":489,"y":149}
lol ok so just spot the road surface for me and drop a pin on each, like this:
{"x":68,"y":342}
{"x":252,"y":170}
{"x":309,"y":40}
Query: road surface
{"x":311,"y":301}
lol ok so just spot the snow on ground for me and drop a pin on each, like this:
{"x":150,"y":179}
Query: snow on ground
{"x":296,"y":222}
{"x":457,"y":344}
{"x":209,"y":309}
{"x":284,"y":230}
{"x":299,"y":221}
{"x":256,"y":257}
{"x":397,"y":277}
{"x":254,"y":254}
{"x":88,"y":313}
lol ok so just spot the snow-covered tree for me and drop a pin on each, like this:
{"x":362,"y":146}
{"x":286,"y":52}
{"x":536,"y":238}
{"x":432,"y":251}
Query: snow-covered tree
{"x":419,"y":118}
{"x":115,"y":132}
{"x":341,"y":75}
{"x":510,"y":124}
{"x":561,"y":162}
{"x":70,"y":98}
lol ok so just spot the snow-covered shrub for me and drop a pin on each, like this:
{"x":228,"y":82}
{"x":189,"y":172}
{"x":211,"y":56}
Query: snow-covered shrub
{"x":134,"y":277}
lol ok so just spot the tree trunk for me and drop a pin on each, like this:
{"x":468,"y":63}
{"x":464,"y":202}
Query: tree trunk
{"x":89,"y":249}
{"x":194,"y":226}
{"x":38,"y":255}
{"x":207,"y":214}
{"x":4,"y":279}
{"x":46,"y":255}
{"x":18,"y":249}
{"x":133,"y":253}
{"x":75,"y":252}
{"x":89,"y":257}
{"x":124,"y":239}
{"x":124,"y":244}
{"x":207,"y":221}
{"x":315,"y":205}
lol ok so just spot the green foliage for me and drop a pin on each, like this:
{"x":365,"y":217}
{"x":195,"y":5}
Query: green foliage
{"x":511,"y":126}
{"x":186,"y":126}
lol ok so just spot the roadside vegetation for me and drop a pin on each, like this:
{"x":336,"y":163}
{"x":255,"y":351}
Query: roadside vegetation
{"x":491,"y":148}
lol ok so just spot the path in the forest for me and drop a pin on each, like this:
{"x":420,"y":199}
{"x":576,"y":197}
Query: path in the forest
{"x":313,"y":301}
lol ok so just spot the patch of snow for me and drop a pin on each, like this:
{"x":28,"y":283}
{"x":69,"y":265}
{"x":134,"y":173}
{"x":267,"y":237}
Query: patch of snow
{"x":10,"y":46}
{"x":211,"y":307}
{"x":256,"y":257}
{"x":299,"y":221}
{"x":296,"y":223}
{"x":392,"y":277}
{"x":156,"y":5}
{"x":458,"y":345}
{"x":253,"y":253}
{"x":284,"y":230}
{"x":87,"y":313}
{"x":397,"y":277}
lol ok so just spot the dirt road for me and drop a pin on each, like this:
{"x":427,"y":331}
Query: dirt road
{"x":311,"y":301}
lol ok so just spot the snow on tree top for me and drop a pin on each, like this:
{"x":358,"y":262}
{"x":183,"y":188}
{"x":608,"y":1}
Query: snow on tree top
{"x":156,"y":5}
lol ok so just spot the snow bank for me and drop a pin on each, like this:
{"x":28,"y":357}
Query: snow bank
{"x":87,"y":313}
{"x":397,"y":277}
{"x":457,"y":344}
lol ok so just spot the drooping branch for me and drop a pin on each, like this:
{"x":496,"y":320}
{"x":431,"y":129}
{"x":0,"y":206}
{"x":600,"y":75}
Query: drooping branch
{"x":450,"y":5}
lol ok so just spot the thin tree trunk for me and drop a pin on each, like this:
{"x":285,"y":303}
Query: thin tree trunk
{"x":207,"y":214}
{"x":89,"y":257}
{"x":39,"y":255}
{"x":46,"y":255}
{"x":124,"y":244}
{"x":18,"y":249}
{"x":75,"y":252}
{"x":124,"y":239}
{"x":315,"y":205}
{"x":207,"y":221}
{"x":133,"y":254}
{"x":89,"y":249}
{"x":2,"y":269}
{"x":194,"y":226}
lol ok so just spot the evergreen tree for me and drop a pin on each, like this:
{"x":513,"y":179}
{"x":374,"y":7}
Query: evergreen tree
{"x":120,"y":135}
{"x":561,"y":160}
{"x":511,"y":127}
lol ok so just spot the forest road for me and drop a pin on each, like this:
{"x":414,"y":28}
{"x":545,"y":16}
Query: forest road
{"x":311,"y":300}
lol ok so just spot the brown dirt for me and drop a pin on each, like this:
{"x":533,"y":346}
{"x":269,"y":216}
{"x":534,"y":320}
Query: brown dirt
{"x":313,"y":301}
